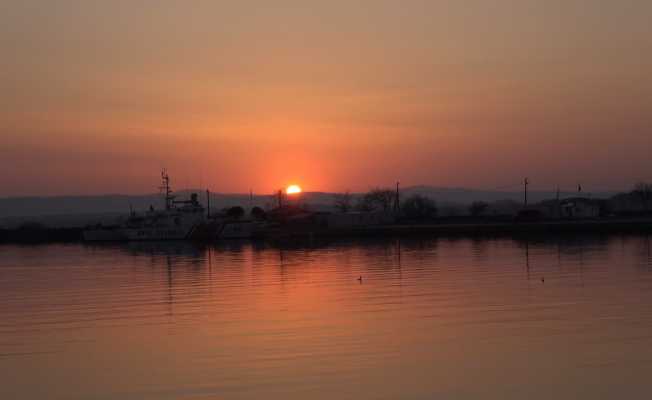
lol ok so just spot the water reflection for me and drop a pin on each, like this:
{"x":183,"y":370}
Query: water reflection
{"x":555,"y":317}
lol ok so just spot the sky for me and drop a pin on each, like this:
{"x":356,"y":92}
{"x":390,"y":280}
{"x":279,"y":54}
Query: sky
{"x":335,"y":95}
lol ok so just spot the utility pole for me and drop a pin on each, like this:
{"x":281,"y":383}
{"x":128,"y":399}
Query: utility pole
{"x":525,"y":183}
{"x":558,"y":204}
{"x":208,"y":203}
{"x":397,"y":204}
{"x":280,"y":198}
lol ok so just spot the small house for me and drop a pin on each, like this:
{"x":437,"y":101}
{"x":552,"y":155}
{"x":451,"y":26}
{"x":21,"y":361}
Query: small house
{"x":579,"y":207}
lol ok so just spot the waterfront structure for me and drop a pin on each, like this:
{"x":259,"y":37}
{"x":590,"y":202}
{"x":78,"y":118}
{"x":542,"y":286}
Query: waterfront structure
{"x":178,"y":220}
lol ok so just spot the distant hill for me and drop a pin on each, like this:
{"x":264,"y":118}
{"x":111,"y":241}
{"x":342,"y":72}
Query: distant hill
{"x":81,"y":210}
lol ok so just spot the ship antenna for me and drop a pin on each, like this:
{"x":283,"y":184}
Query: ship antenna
{"x":166,"y":187}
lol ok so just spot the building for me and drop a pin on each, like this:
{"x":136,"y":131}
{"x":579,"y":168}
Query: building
{"x":579,"y":207}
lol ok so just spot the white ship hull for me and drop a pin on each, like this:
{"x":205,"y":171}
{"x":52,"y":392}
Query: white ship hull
{"x":137,"y":234}
{"x":177,"y":221}
{"x":158,"y":233}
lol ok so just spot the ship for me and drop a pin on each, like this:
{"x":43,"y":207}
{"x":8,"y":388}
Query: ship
{"x":177,"y":221}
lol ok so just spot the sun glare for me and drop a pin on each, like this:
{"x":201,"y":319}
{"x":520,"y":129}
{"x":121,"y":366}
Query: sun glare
{"x":293,"y":189}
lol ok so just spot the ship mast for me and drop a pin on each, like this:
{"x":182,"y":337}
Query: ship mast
{"x":169,"y":198}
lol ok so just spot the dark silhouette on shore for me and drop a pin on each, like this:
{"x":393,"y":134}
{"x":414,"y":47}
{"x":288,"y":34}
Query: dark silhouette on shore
{"x":382,"y":212}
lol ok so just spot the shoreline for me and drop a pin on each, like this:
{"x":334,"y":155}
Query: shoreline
{"x":43,"y":235}
{"x":478,"y":230}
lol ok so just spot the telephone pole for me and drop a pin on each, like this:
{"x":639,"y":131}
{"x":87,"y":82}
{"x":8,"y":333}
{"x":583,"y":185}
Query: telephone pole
{"x":208,"y":203}
{"x":525,"y":183}
{"x":397,"y":204}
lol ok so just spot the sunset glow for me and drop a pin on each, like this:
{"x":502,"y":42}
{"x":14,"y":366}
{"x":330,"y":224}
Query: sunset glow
{"x":293,"y":189}
{"x":455,"y":95}
{"x":290,"y":199}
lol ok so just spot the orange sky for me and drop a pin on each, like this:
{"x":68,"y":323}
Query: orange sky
{"x":98,"y":96}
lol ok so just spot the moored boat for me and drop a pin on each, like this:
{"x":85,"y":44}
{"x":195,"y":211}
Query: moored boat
{"x":177,"y":221}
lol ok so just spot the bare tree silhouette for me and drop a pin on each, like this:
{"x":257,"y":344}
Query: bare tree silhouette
{"x":419,"y":207}
{"x":236,"y":212}
{"x":644,"y":192}
{"x":376,"y":199}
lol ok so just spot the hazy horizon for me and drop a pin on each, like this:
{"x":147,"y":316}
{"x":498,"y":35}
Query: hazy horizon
{"x":99,"y":96}
{"x":187,"y":190}
{"x":72,"y":211}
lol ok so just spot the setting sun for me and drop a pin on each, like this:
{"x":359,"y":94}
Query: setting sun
{"x":293,"y":189}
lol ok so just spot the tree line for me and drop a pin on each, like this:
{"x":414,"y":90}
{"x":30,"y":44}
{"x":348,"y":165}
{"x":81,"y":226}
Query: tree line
{"x":384,"y":199}
{"x":418,"y":206}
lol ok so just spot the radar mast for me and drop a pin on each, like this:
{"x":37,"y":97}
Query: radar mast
{"x":165,"y":187}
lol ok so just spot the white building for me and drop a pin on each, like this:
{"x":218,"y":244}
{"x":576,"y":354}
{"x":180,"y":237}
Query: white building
{"x":579,"y":207}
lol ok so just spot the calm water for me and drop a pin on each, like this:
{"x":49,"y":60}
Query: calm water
{"x":431,"y":318}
